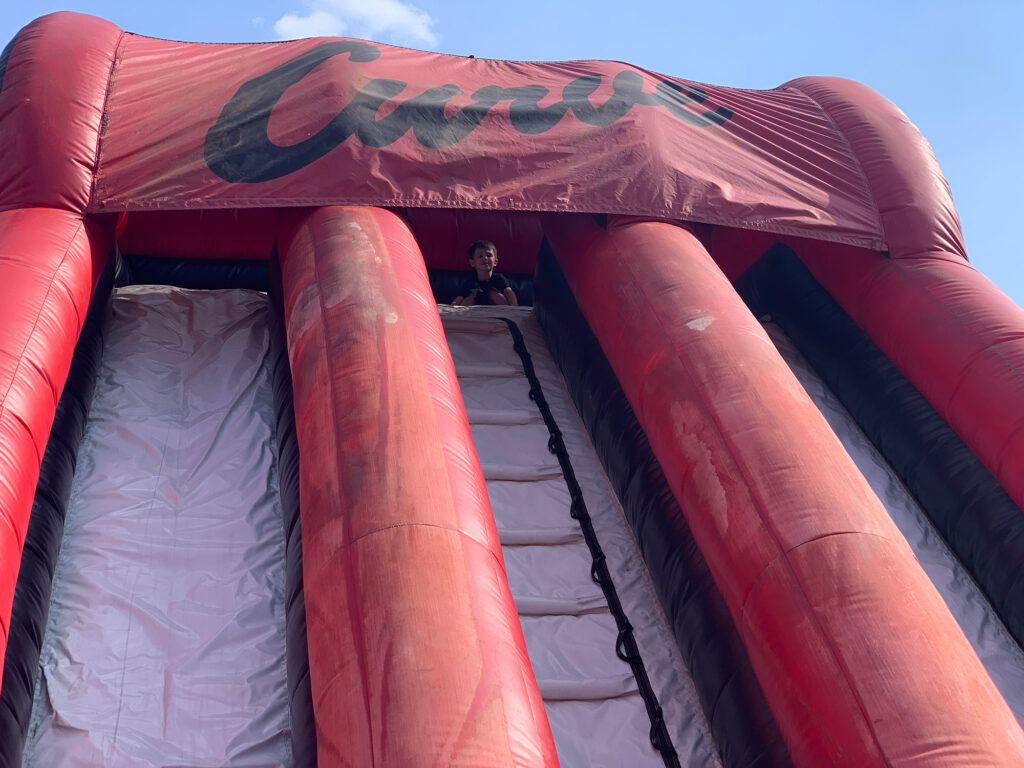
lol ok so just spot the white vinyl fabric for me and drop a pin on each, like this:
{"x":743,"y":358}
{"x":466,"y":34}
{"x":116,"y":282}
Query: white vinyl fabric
{"x":994,"y":645}
{"x":596,"y":713}
{"x":166,"y":637}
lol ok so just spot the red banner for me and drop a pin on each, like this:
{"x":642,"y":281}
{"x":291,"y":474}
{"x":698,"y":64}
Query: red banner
{"x":95,"y":119}
{"x":321,"y":121}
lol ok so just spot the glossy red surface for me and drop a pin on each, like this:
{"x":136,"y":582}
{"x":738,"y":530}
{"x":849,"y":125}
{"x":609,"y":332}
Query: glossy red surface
{"x":49,"y":263}
{"x":815,"y":573}
{"x":409,"y":617}
{"x":858,"y":659}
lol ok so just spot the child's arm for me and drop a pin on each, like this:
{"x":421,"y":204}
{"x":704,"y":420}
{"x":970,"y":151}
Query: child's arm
{"x":468,"y":300}
{"x":501,"y":291}
{"x":467,"y":294}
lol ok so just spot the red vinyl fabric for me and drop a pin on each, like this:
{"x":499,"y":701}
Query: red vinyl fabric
{"x":49,"y":263}
{"x":246,"y":234}
{"x":415,"y":656}
{"x":501,"y":633}
{"x":51,"y":106}
{"x":953,"y":334}
{"x":445,"y":236}
{"x":410,"y":621}
{"x":915,"y":209}
{"x":328,"y":120}
{"x":858,"y":657}
{"x":550,"y":159}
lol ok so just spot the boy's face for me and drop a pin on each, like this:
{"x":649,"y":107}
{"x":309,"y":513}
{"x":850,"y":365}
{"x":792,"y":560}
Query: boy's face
{"x":484,"y":260}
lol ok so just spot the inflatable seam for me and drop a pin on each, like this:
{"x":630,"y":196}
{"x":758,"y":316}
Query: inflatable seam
{"x":853,"y":153}
{"x":104,"y":117}
{"x":413,"y":524}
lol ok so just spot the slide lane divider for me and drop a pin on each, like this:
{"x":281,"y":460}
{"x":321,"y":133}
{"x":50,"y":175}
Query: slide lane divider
{"x":859,"y":659}
{"x":403,"y":605}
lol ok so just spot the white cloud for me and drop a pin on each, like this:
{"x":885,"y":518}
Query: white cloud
{"x":385,"y":20}
{"x":316,"y":24}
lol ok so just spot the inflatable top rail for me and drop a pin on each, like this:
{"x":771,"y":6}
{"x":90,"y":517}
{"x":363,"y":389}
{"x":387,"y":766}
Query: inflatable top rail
{"x":318,"y":122}
{"x":353,"y":166}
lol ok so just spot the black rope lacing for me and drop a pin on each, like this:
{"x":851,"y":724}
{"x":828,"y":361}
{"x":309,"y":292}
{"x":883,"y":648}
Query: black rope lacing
{"x":625,"y":645}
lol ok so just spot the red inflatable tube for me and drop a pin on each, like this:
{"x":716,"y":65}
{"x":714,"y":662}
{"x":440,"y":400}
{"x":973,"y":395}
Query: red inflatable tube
{"x":465,"y":474}
{"x":858,"y":657}
{"x":910,"y":194}
{"x":954,"y":335}
{"x":49,"y":263}
{"x":51,"y":109}
{"x":406,"y":612}
{"x":532,"y":743}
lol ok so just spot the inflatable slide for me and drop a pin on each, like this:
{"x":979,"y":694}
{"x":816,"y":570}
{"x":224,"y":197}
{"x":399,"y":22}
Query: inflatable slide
{"x":737,"y":483}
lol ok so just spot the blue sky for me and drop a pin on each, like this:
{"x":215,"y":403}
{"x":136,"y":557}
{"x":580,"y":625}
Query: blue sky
{"x":955,"y":68}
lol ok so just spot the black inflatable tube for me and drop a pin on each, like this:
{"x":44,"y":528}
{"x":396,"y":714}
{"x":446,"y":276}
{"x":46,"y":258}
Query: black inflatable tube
{"x":741,"y":724}
{"x":31,"y":605}
{"x":300,"y":694}
{"x":193,"y":273}
{"x":979,"y":521}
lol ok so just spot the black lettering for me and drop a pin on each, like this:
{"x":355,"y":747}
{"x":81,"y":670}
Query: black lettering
{"x":526,"y":117}
{"x":238,"y":148}
{"x":424,"y":114}
{"x":674,"y":97}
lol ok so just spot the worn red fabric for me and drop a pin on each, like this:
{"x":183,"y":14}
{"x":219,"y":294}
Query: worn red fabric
{"x":53,"y":87}
{"x":953,"y":334}
{"x":328,"y":120}
{"x":859,"y":659}
{"x":415,"y":654}
{"x":915,"y":208}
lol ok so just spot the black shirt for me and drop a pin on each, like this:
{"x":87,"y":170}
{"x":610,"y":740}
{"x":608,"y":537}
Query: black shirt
{"x":498,"y":282}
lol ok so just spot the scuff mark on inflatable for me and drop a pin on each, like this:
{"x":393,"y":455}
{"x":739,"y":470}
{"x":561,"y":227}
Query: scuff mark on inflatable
{"x":701,"y":323}
{"x":705,"y":484}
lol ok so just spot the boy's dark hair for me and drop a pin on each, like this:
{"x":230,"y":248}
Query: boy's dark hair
{"x":482,"y":244}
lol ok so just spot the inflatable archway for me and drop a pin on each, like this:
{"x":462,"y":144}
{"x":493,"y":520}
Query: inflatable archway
{"x":654,"y":220}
